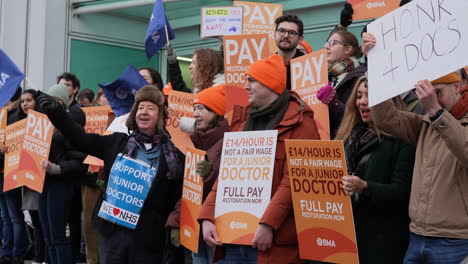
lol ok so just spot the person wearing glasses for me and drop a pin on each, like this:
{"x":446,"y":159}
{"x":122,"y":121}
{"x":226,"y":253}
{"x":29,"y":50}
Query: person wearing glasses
{"x":344,"y":68}
{"x":288,"y":34}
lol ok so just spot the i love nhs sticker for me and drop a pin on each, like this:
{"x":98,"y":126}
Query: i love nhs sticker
{"x":129,"y":183}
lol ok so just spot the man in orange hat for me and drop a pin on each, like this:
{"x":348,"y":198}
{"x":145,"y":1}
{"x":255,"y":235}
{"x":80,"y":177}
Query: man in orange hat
{"x":271,"y":106}
{"x":438,"y":206}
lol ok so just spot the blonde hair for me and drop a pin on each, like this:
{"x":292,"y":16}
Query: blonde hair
{"x":352,"y":117}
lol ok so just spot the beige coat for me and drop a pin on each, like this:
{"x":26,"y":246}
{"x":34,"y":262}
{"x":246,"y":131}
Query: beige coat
{"x":439,"y":193}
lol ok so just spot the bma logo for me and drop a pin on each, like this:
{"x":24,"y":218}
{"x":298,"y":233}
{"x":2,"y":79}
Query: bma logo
{"x":238,"y":225}
{"x":375,"y":4}
{"x":121,"y":93}
{"x":321,"y":242}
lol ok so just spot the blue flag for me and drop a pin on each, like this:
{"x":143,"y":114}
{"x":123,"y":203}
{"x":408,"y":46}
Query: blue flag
{"x":121,"y":92}
{"x":10,"y":78}
{"x":156,"y":34}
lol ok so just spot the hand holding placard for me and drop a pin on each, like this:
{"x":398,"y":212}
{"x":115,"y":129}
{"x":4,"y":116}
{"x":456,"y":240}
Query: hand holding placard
{"x":209,"y":234}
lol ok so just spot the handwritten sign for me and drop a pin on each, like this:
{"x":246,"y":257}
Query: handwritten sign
{"x":424,"y":39}
{"x":129,"y":184}
{"x":323,"y":212}
{"x":365,"y":9}
{"x":36,"y":147}
{"x":309,"y":73}
{"x":192,"y":196}
{"x":244,"y":184}
{"x":180,"y":104}
{"x":220,"y":21}
{"x":239,"y":53}
{"x":3,"y":124}
{"x":96,"y":119}
{"x":13,"y":141}
{"x":259,"y":18}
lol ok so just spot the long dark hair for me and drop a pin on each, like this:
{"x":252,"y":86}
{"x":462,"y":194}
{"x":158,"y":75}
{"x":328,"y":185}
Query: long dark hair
{"x":20,"y":114}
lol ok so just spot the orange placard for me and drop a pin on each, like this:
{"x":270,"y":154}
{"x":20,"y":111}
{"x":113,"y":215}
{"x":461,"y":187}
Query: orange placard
{"x":309,"y":74}
{"x":3,"y":124}
{"x":36,"y":147}
{"x":180,"y":104}
{"x":241,"y":51}
{"x":365,"y":9}
{"x":96,"y":119}
{"x":259,"y":18}
{"x":13,"y":141}
{"x":323,"y":212}
{"x":235,"y":96}
{"x":167,"y":88}
{"x":192,"y":196}
{"x":244,"y":184}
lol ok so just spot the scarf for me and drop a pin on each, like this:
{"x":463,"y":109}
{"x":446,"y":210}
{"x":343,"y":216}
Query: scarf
{"x":461,"y":107}
{"x":168,"y":148}
{"x":359,"y":137}
{"x":342,"y":66}
{"x":268,"y":117}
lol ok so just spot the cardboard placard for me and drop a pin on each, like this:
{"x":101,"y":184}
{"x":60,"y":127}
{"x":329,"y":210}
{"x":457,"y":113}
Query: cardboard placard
{"x":220,"y":21}
{"x":3,"y":124}
{"x":180,"y":104}
{"x":239,"y":53}
{"x":259,"y":18}
{"x":365,"y":9}
{"x":192,"y":196}
{"x":323,"y":212}
{"x":13,"y":141}
{"x":424,"y":39}
{"x":309,"y":73}
{"x":244,"y":184}
{"x":96,"y":119}
{"x":36,"y":147}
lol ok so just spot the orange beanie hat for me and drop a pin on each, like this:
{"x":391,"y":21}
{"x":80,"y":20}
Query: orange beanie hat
{"x":213,"y":98}
{"x":270,"y":72}
{"x":449,"y":78}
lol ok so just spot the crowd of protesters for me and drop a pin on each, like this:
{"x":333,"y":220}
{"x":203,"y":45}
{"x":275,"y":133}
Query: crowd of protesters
{"x":407,"y":162}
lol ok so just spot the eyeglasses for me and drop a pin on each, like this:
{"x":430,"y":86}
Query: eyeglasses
{"x":291,"y":33}
{"x":333,"y":42}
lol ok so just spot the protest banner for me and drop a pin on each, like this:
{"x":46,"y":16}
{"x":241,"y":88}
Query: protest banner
{"x":235,"y":96}
{"x":259,"y":18}
{"x":118,"y":125}
{"x":36,"y":147}
{"x":96,"y":119}
{"x":128,"y":186}
{"x":10,"y":78}
{"x":13,"y":142}
{"x":309,"y":73}
{"x":424,"y":39}
{"x":239,"y":53}
{"x":220,"y":21}
{"x":244,"y":184}
{"x":323,"y":212}
{"x":3,"y":124}
{"x":365,"y":9}
{"x":192,"y":196}
{"x":180,"y":104}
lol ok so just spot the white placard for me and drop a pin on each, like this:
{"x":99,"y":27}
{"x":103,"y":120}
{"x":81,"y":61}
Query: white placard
{"x":425,"y":39}
{"x":221,"y":21}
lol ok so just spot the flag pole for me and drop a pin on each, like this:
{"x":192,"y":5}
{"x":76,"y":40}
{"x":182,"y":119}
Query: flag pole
{"x":167,"y":35}
{"x":30,"y":83}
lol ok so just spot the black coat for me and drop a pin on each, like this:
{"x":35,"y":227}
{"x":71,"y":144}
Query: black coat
{"x":163,"y":195}
{"x":381,"y":211}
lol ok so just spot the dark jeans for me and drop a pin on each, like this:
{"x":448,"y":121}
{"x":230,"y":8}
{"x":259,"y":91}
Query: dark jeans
{"x":40,"y":249}
{"x":121,"y":247}
{"x":7,"y":228}
{"x":54,"y":210}
{"x":16,"y":216}
{"x":74,"y":222}
{"x":435,"y":250}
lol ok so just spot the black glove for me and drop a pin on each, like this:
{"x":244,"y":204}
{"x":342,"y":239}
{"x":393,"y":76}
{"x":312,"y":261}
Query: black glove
{"x":171,"y":54}
{"x":346,"y":17}
{"x":47,"y":102}
{"x":404,"y":2}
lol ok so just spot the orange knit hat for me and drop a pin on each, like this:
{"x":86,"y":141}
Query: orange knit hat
{"x":270,"y":72}
{"x":213,"y":98}
{"x":449,"y":78}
